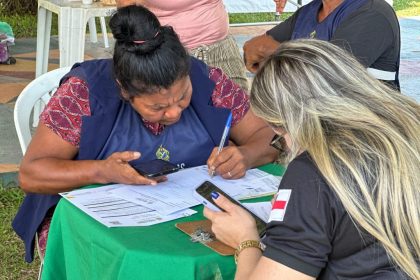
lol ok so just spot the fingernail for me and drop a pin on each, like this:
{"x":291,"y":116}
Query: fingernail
{"x":136,"y":154}
{"x":212,"y":170}
{"x":214,"y":195}
{"x":153,"y":183}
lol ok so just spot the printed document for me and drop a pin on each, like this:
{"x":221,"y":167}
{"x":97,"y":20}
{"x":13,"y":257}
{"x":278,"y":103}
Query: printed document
{"x":113,"y":211}
{"x":129,"y":205}
{"x":177,"y":193}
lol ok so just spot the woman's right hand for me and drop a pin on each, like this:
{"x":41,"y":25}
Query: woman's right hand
{"x":233,"y":225}
{"x":116,"y":169}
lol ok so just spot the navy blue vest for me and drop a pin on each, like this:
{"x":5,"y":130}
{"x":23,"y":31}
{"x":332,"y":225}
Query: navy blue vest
{"x":307,"y":25}
{"x":115,"y":126}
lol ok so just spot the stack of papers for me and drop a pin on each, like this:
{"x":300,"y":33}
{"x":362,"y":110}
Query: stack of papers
{"x":127,"y":205}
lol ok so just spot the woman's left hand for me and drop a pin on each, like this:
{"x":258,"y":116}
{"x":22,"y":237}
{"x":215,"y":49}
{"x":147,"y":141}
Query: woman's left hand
{"x":231,"y":163}
{"x":232,"y":226}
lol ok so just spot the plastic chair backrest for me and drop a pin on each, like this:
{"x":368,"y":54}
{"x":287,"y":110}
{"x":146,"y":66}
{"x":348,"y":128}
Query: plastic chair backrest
{"x":37,"y":91}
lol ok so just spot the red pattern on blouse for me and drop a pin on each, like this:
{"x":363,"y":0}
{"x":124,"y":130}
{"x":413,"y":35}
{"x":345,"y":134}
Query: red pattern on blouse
{"x":43,"y":232}
{"x":63,"y":114}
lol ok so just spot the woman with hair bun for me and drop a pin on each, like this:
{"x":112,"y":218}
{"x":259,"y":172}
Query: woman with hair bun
{"x":203,"y":28}
{"x":152,"y":100}
{"x":348,"y":205}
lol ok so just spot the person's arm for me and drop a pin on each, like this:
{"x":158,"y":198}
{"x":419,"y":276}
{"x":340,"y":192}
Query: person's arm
{"x":251,"y":264}
{"x":257,"y":50}
{"x":266,"y":269}
{"x":299,"y":232}
{"x":260,"y":47}
{"x":48,"y":165}
{"x":251,"y":135}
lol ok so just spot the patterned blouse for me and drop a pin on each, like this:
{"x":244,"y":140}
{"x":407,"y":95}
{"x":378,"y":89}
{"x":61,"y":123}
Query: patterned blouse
{"x":63,"y":114}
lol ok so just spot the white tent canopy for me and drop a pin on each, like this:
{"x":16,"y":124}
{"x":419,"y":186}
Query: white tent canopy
{"x":255,"y":6}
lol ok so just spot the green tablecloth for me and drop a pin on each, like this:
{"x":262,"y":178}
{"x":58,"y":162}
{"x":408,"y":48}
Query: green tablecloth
{"x":79,"y":247}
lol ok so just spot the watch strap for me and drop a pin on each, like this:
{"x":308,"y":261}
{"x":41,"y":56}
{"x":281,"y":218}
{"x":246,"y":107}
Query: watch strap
{"x":247,"y":244}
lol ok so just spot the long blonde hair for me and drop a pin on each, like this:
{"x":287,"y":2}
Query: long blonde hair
{"x":363,"y":136}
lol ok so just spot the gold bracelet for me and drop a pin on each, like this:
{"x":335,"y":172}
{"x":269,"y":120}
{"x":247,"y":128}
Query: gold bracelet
{"x":248,"y":244}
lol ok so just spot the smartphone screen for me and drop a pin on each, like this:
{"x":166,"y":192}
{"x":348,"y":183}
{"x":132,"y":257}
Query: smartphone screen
{"x":205,"y":190}
{"x":155,"y":168}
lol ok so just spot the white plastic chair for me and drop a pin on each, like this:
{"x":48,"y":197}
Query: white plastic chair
{"x":38,"y":91}
{"x":30,"y":102}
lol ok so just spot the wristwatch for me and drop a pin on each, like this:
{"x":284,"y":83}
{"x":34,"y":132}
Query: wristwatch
{"x":248,"y":244}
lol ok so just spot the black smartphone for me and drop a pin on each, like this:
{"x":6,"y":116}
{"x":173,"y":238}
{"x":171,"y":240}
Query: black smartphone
{"x":204,"y":191}
{"x":155,"y":168}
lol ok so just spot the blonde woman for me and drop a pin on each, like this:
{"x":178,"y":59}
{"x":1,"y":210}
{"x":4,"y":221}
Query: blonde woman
{"x":348,"y":204}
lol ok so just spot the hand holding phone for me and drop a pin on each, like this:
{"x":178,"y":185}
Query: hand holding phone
{"x":155,"y":168}
{"x":203,"y":194}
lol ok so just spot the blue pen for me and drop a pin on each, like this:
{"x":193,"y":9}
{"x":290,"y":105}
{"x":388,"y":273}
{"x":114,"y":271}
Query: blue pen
{"x":224,"y":135}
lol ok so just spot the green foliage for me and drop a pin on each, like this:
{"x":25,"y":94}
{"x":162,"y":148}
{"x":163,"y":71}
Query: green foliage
{"x":256,"y":17}
{"x":405,"y":4}
{"x":24,"y":25}
{"x":18,"y":7}
{"x":407,"y":8}
{"x":12,"y":251}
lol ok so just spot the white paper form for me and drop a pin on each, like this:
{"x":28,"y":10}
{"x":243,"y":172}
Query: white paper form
{"x":177,"y":193}
{"x":255,"y":183}
{"x":166,"y":197}
{"x":113,"y":211}
{"x":261,"y":186}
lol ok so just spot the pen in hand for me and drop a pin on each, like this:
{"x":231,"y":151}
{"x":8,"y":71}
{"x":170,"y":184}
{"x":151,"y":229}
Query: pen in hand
{"x":222,"y":141}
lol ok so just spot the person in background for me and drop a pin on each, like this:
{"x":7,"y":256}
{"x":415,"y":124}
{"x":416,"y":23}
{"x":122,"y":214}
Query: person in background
{"x":280,"y":5}
{"x":368,"y":29}
{"x":347,"y":206}
{"x":203,"y":27}
{"x":152,"y":100}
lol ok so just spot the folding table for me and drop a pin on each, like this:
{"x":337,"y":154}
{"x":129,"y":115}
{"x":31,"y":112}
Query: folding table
{"x":72,"y":19}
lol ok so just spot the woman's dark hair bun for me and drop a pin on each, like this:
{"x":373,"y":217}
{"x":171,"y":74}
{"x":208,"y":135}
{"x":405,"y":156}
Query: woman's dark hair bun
{"x":145,"y":45}
{"x":130,"y":25}
{"x":147,"y":55}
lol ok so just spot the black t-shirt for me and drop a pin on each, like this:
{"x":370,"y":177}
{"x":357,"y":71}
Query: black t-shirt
{"x":371,"y":34}
{"x":316,"y":235}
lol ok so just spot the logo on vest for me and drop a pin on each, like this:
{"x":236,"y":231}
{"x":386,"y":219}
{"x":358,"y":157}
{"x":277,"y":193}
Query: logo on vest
{"x":312,"y":35}
{"x":162,"y":153}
